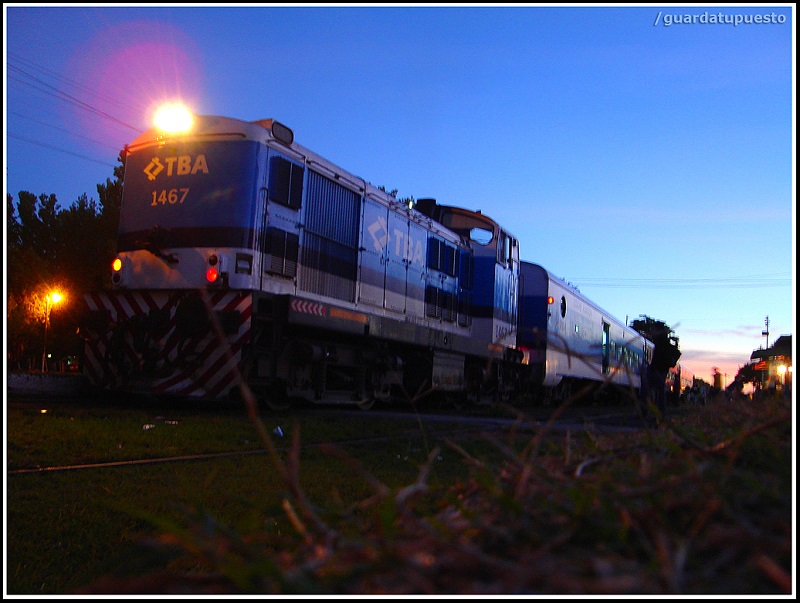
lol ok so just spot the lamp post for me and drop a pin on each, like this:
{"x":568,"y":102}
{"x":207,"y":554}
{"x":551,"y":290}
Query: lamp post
{"x":49,"y":301}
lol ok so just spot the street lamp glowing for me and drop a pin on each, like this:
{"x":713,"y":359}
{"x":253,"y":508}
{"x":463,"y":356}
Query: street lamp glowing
{"x":782,"y":368}
{"x":50,"y":300}
{"x":173,"y":118}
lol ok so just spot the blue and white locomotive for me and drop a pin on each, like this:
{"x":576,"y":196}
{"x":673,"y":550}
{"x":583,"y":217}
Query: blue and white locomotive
{"x":243,"y":256}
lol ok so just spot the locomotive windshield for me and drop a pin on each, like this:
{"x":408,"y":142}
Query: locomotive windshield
{"x":191,"y":194}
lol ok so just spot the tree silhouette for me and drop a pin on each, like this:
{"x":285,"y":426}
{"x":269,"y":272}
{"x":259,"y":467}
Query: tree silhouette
{"x":650,"y":328}
{"x":747,"y":374}
{"x":51,"y":247}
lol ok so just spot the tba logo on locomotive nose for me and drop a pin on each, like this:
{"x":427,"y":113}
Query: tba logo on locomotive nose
{"x":181,"y":165}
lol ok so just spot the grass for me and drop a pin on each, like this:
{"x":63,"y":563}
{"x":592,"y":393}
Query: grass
{"x":67,"y":528}
{"x":703,"y":505}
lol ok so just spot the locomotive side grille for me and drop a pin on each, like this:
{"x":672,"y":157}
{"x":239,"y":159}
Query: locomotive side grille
{"x":332,"y":210}
{"x":283,"y":249}
{"x":328,"y":268}
{"x":445,"y":305}
{"x":330,"y":243}
{"x":448,"y":301}
{"x":464,"y":309}
{"x":432,"y":306}
{"x":441,"y":256}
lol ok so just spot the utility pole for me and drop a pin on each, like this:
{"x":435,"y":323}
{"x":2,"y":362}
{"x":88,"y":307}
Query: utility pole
{"x":765,"y":332}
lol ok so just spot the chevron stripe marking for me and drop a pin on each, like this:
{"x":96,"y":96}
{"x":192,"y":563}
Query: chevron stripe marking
{"x":307,"y":307}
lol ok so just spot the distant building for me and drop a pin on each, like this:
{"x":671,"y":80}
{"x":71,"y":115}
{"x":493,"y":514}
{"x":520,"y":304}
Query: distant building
{"x":679,"y":379}
{"x":773,"y":365}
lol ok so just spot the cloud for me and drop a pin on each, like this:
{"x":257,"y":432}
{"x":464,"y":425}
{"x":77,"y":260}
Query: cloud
{"x":712,"y":357}
{"x":738,"y":331}
{"x":703,"y":362}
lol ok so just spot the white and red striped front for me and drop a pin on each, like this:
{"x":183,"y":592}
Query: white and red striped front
{"x":199,"y":365}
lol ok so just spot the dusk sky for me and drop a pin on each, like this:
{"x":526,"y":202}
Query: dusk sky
{"x":644,"y":154}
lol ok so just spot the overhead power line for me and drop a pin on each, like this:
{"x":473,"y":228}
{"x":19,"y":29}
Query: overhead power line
{"x":36,"y":80}
{"x":36,"y":76}
{"x":60,"y":150}
{"x":753,"y":282}
{"x":70,"y":132}
{"x":68,"y":98}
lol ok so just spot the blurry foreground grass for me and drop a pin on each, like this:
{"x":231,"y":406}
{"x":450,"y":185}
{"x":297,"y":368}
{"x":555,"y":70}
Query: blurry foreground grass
{"x":703,"y":505}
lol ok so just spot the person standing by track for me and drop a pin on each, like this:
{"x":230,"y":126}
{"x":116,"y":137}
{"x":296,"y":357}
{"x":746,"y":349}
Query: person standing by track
{"x":665,"y":356}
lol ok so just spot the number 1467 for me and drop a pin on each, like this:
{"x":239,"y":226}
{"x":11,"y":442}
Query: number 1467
{"x":171,"y":196}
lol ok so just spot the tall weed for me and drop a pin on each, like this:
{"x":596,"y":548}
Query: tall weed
{"x":702,"y":505}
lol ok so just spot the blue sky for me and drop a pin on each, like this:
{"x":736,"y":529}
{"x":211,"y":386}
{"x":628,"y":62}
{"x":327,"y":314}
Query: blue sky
{"x":644,"y":154}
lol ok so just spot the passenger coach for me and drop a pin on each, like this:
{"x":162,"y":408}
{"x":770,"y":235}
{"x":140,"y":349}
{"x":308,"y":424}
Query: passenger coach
{"x":566,"y":338}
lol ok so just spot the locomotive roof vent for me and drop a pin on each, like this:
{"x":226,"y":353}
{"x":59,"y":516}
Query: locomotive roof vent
{"x":280,"y":132}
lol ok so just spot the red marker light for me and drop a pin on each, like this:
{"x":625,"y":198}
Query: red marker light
{"x":212,"y":275}
{"x":116,"y":265}
{"x":550,"y":299}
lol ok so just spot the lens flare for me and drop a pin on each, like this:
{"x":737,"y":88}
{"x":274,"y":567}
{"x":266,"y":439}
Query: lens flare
{"x":145,"y":63}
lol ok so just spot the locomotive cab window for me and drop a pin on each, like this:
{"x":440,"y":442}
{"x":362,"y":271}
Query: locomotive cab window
{"x":502,"y":248}
{"x":481,"y":236}
{"x":505,"y":249}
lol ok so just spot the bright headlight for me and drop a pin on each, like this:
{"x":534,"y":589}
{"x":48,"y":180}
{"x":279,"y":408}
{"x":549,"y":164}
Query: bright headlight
{"x":173,"y":118}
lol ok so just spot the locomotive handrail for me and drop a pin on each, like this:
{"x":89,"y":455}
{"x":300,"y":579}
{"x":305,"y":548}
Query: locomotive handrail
{"x":183,"y":138}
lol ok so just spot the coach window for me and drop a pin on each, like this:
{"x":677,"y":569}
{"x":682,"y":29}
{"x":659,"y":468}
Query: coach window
{"x":563,"y":306}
